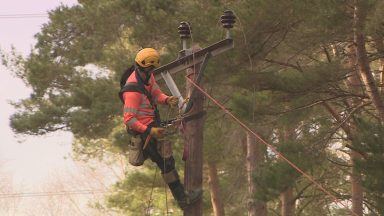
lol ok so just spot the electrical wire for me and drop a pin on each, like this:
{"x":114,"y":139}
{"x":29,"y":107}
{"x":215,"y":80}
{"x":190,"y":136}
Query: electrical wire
{"x":51,"y":193}
{"x":148,"y":210}
{"x":23,"y":15}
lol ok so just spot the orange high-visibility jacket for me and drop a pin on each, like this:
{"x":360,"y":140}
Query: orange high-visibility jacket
{"x":138,"y":111}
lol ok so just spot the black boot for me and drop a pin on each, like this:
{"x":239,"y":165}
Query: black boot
{"x":193,"y":196}
{"x":184,"y":199}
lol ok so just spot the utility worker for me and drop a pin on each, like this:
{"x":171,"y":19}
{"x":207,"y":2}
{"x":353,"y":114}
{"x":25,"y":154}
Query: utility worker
{"x":140,"y":95}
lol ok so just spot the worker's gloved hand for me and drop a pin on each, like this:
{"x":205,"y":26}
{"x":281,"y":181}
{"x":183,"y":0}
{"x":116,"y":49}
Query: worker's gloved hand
{"x":172,"y":101}
{"x":157,"y":132}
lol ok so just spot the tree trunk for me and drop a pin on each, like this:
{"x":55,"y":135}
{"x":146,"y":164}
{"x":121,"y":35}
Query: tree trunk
{"x":380,"y":49}
{"x":255,"y":157}
{"x":362,"y":59}
{"x":286,"y":197}
{"x":354,"y":83}
{"x":214,"y":189}
{"x":338,"y":119}
{"x":357,"y":189}
{"x":367,"y":77}
{"x":287,"y":203}
{"x":350,"y":131}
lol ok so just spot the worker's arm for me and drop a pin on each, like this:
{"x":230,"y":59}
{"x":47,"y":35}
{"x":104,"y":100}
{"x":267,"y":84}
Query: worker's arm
{"x":156,"y":92}
{"x":132,"y":101}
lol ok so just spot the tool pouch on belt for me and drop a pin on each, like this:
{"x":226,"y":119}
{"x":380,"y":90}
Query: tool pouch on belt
{"x":164,"y":147}
{"x":135,"y":154}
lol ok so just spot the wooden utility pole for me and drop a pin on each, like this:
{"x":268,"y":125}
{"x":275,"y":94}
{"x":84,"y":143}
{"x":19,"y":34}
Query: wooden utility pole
{"x":193,"y":134}
{"x":194,"y":62}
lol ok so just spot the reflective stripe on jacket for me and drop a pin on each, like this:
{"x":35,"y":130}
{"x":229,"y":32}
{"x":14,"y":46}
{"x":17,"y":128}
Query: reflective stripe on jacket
{"x":138,"y":111}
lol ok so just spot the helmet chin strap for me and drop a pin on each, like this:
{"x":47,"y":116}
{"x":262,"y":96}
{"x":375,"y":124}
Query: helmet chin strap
{"x":146,"y":71}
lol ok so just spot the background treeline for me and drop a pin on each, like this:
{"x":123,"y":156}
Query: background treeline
{"x":305,"y":74}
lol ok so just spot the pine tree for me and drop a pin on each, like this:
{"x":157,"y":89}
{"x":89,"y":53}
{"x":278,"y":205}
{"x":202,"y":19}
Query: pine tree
{"x":292,"y":69}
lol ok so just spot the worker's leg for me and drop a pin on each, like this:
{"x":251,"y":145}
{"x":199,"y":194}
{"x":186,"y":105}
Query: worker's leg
{"x":165,"y":161}
{"x":165,"y":164}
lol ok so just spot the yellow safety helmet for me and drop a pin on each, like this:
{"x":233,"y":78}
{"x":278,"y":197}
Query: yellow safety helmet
{"x":148,"y":57}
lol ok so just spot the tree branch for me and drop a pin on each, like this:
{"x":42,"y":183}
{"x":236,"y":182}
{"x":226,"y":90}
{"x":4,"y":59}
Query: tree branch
{"x":286,"y":64}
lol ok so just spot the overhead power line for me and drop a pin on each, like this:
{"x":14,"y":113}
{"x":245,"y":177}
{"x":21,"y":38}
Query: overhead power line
{"x":53,"y":193}
{"x":23,"y":16}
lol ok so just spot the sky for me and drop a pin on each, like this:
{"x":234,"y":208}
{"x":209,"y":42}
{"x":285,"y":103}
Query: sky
{"x":27,"y":159}
{"x":30,"y":164}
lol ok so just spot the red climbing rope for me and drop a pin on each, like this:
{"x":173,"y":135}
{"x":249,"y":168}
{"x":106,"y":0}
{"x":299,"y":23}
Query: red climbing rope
{"x":309,"y":177}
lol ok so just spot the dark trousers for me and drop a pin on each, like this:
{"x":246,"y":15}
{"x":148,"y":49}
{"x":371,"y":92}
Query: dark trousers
{"x":166,"y":165}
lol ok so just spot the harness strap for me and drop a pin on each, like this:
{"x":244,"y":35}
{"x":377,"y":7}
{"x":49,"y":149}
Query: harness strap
{"x":139,"y":87}
{"x":129,"y":87}
{"x":149,"y":96}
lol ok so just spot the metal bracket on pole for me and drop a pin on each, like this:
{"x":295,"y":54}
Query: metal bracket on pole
{"x":198,"y":80}
{"x":197,"y":57}
{"x":174,"y":90}
{"x":188,"y":59}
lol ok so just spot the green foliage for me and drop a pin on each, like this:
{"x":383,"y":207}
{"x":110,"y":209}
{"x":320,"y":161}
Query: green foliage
{"x":47,"y":118}
{"x":290,"y":56}
{"x":374,"y":25}
{"x":132,"y":195}
{"x":370,"y":141}
{"x":120,"y":137}
{"x":276,"y":176}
